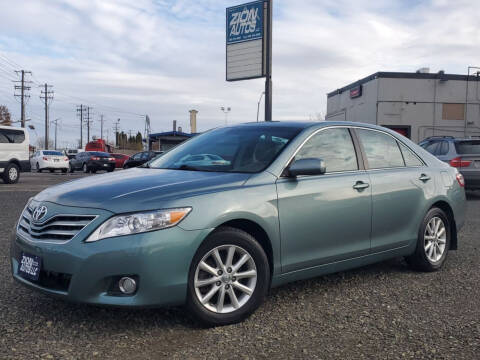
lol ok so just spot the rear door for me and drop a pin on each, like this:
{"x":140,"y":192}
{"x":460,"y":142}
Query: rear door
{"x":325,"y":218}
{"x":400,"y":183}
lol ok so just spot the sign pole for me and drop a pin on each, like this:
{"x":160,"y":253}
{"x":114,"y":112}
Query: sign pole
{"x":268,"y":63}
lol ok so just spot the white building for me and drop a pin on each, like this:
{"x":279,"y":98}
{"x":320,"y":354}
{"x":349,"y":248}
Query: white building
{"x":418,"y":104}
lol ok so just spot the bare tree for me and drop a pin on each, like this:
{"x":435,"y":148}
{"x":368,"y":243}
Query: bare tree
{"x":40,"y":143}
{"x":5,"y":118}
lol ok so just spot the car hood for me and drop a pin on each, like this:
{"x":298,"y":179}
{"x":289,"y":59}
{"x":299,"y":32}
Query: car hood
{"x":139,"y":188}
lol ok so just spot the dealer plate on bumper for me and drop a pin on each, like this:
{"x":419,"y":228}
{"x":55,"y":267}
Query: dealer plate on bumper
{"x":30,"y":266}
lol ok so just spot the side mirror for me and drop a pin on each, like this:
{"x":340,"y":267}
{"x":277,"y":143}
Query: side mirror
{"x":311,"y":166}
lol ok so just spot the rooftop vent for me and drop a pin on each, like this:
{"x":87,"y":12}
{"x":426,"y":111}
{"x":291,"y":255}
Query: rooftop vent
{"x":423,"y":70}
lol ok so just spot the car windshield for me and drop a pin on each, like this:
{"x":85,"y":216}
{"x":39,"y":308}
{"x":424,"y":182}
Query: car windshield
{"x":468,"y":147}
{"x":53,"y":153}
{"x":246,"y":149}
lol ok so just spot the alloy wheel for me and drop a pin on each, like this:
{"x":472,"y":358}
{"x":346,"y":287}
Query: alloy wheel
{"x":435,"y":239}
{"x":13,"y":174}
{"x":225,"y":279}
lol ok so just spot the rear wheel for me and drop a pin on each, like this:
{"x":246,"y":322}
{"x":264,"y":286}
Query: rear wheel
{"x":70,"y":168}
{"x":11,"y":174}
{"x":228,"y":279}
{"x":111,"y":169}
{"x":433,"y":242}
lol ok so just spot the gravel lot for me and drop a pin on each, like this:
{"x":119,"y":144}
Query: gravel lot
{"x":379,"y":311}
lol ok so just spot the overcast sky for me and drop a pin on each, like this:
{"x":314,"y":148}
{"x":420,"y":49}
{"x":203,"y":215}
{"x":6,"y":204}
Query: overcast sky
{"x":126,"y":58}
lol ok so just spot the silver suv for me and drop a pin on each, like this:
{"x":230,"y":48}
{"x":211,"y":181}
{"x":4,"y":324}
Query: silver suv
{"x":463,"y":154}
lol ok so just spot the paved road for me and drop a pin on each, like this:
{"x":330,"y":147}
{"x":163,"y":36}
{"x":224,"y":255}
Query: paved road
{"x":379,"y":311}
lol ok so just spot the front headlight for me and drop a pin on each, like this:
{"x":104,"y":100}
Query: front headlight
{"x":138,"y":223}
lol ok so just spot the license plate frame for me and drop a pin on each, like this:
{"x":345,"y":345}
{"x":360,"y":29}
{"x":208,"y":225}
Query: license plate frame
{"x":29,"y":266}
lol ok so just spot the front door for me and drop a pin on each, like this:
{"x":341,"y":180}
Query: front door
{"x":325,"y":218}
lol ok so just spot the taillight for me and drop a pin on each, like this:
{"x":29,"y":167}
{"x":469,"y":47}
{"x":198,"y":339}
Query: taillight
{"x":461,"y":180}
{"x":111,"y":159}
{"x":45,"y":158}
{"x":94,"y":158}
{"x":65,"y":158}
{"x":458,"y":162}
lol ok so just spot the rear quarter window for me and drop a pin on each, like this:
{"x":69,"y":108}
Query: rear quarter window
{"x":381,"y":149}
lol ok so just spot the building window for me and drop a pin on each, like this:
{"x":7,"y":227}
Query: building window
{"x":453,"y":112}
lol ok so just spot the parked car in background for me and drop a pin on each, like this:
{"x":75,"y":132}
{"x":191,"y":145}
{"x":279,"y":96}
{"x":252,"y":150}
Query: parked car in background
{"x":98,"y":145}
{"x":295,"y":200}
{"x":14,"y":153}
{"x":120,"y":159}
{"x":92,"y":161}
{"x":49,"y":160}
{"x":140,"y":158}
{"x":71,"y":153}
{"x":463,"y":154}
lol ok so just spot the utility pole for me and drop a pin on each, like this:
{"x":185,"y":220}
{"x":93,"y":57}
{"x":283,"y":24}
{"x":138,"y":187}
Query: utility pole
{"x":101,"y":126}
{"x":56,"y":124}
{"x":22,"y":87}
{"x":115,"y":126}
{"x":80,"y":111}
{"x":46,"y":95}
{"x":88,"y":123}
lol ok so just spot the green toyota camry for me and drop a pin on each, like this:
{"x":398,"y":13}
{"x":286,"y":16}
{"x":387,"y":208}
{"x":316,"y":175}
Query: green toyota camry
{"x":217,"y":221}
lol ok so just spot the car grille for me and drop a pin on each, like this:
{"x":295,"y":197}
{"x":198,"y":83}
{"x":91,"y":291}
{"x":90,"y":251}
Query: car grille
{"x":59,"y":228}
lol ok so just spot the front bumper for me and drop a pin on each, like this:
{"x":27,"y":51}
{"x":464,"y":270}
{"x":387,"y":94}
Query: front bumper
{"x":160,"y":260}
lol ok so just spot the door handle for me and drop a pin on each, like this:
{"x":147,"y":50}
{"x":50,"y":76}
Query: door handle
{"x":424,"y":178}
{"x":360,"y":185}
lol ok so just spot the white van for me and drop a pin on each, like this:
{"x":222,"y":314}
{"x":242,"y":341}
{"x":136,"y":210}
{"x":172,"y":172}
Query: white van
{"x":14,"y":153}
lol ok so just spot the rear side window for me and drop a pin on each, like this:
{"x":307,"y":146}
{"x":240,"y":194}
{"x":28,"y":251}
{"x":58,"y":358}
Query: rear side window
{"x":468,"y":147}
{"x":12,"y":136}
{"x":334,"y":146}
{"x":410,"y":158}
{"x":382,"y":150}
{"x":443,"y":148}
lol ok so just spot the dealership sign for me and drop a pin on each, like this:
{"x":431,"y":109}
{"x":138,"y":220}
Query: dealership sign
{"x":356,"y":92}
{"x":245,"y":41}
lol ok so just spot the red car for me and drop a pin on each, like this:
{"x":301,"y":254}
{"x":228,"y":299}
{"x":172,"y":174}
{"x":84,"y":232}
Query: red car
{"x":120,"y":159}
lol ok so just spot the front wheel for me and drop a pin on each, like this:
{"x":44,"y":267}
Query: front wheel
{"x":85,"y":169}
{"x":228,"y":279}
{"x":433,"y":242}
{"x":38,"y":168}
{"x":64,"y":171}
{"x":70,"y":168}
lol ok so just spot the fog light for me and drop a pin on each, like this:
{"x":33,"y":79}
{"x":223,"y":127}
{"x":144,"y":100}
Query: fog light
{"x":127,"y":285}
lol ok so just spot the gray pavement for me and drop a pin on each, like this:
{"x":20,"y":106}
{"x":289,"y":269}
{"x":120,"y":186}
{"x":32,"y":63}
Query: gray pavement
{"x":382,"y":311}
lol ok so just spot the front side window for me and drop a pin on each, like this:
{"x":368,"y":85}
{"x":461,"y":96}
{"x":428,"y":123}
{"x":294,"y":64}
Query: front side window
{"x":382,"y":150}
{"x":245,"y":149}
{"x":410,"y":158}
{"x":334,"y":146}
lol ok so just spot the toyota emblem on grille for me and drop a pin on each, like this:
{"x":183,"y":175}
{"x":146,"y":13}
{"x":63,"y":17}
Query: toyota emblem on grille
{"x":39,"y":213}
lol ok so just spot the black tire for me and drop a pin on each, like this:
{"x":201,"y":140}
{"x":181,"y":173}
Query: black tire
{"x":11,"y":174}
{"x":51,"y":170}
{"x":85,"y":168}
{"x":64,"y":171}
{"x":238,"y":238}
{"x":420,"y":260}
{"x":38,"y":168}
{"x":111,"y":169}
{"x":70,"y":168}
